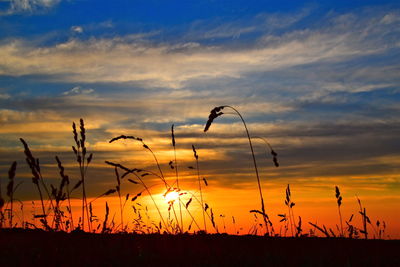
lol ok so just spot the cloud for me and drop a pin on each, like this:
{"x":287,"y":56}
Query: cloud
{"x":324,"y":96}
{"x":77,"y":29}
{"x":4,"y":96}
{"x":175,"y":65}
{"x":23,"y":6}
{"x":77,"y":90}
{"x":390,"y":18}
{"x":163,"y":65}
{"x":262,"y":23}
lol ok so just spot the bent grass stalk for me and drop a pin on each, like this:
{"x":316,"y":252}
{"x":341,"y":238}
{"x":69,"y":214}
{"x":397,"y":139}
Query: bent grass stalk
{"x":133,"y":171}
{"x":216,"y":112}
{"x":33,"y":164}
{"x":161,"y":176}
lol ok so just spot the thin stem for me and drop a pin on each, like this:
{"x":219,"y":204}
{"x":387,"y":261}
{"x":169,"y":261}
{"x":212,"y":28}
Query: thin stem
{"x":255,"y":167}
{"x":151,"y":196}
{"x":294,"y":220}
{"x":176,"y":218}
{"x":201,"y":194}
{"x":47,"y":191}
{"x":120,"y":207}
{"x":11,"y":210}
{"x":341,"y":223}
{"x":41,"y":200}
{"x":177,"y":185}
{"x":166,"y":184}
{"x":70,"y":208}
{"x":291,"y":221}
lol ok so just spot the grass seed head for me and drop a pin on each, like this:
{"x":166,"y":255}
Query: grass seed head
{"x":215,"y":112}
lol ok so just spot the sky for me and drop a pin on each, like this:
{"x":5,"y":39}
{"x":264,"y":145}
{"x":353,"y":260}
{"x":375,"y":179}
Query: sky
{"x":318,"y":79}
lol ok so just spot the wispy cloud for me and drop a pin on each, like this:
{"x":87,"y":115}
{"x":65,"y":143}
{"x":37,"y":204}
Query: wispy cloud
{"x":173,"y":65}
{"x":77,"y":29}
{"x":77,"y":90}
{"x":30,"y":6}
{"x":4,"y":96}
{"x":324,"y":95}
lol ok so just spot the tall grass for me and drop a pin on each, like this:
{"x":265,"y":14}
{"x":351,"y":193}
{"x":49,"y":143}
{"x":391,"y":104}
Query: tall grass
{"x":59,"y":195}
{"x":365,"y":219}
{"x":10,"y":189}
{"x":290,"y":204}
{"x":216,"y":112}
{"x":139,"y":177}
{"x":53,"y":202}
{"x":339,"y":203}
{"x":37,"y":178}
{"x":176,"y":173}
{"x":83,"y":160}
{"x":196,"y":156}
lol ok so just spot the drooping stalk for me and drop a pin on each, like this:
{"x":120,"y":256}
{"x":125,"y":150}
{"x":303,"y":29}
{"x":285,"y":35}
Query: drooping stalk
{"x":151,"y":196}
{"x":33,"y":164}
{"x":214,"y":114}
{"x":161,"y":175}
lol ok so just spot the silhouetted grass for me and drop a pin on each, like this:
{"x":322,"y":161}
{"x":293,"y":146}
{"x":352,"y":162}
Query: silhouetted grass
{"x":215,"y":113}
{"x":53,"y":207}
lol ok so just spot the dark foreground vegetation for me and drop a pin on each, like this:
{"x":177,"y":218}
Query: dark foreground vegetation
{"x":37,"y":247}
{"x":61,"y":238}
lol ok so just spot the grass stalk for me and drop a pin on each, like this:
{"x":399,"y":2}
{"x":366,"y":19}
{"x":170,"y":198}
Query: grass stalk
{"x":339,"y":203}
{"x":176,"y":174}
{"x":216,"y":112}
{"x":10,"y":189}
{"x":201,"y":193}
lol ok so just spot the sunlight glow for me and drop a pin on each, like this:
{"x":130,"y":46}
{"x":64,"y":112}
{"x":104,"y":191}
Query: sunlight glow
{"x":171,"y":196}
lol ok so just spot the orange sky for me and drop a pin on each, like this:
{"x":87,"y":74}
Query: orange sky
{"x":316,"y":206}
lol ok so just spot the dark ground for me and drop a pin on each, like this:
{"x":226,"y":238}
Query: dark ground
{"x":39,"y":248}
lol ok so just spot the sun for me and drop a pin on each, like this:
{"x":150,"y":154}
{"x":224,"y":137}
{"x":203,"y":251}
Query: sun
{"x":171,"y":196}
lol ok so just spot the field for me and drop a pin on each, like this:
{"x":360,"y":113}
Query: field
{"x":23,"y":247}
{"x":52,"y":238}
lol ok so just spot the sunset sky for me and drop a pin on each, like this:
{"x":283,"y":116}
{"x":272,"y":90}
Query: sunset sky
{"x":320,"y":80}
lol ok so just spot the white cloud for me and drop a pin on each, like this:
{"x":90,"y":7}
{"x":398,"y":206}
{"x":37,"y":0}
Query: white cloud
{"x":77,"y":90}
{"x":77,"y":29}
{"x":21,"y":6}
{"x":112,"y":60}
{"x":126,"y":59}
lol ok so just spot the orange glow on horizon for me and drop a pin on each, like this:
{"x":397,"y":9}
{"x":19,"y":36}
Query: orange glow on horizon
{"x":231,"y":211}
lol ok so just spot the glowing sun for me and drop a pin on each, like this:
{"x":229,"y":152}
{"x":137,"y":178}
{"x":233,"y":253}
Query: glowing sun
{"x":171,"y":196}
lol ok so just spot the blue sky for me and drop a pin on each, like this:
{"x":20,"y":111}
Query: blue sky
{"x":319,"y":79}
